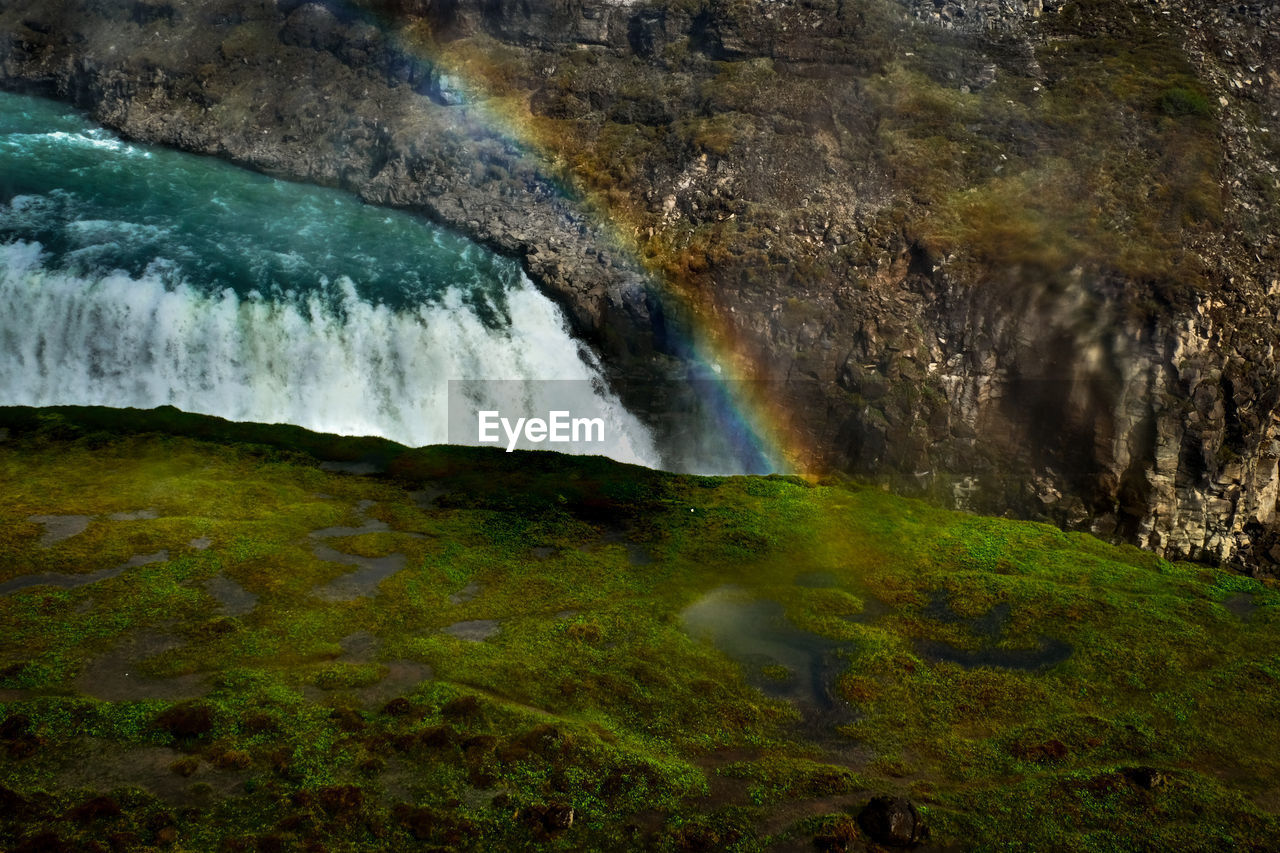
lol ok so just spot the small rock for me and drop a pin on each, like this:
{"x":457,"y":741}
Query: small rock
{"x":558,"y":817}
{"x":15,"y":726}
{"x":549,"y":818}
{"x":892,"y":821}
{"x":465,"y":594}
{"x":1047,"y":752}
{"x":1147,"y":778}
{"x":134,"y":515}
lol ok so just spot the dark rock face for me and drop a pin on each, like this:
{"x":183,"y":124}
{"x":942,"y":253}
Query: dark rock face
{"x":759,"y":175}
{"x":892,"y":821}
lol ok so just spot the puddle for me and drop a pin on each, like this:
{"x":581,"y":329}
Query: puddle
{"x":1048,"y":651}
{"x":637,"y":554}
{"x":542,"y":552}
{"x":370,"y":526}
{"x":990,"y":624}
{"x":200,"y":543}
{"x":465,"y":594}
{"x":106,"y":766}
{"x":567,"y":614}
{"x":115,"y":676}
{"x":401,"y":679}
{"x":777,"y":657}
{"x":358,"y":647}
{"x":426,"y":497}
{"x":146,"y":559}
{"x":102,"y":765}
{"x":370,"y":571}
{"x":1241,"y":605}
{"x":402,"y":676}
{"x":235,"y":599}
{"x":873,"y":609}
{"x":68,"y":581}
{"x":475,"y":630}
{"x":135,"y":515}
{"x":59,"y":527}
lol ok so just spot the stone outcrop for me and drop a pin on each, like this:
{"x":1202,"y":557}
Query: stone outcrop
{"x":754,"y":156}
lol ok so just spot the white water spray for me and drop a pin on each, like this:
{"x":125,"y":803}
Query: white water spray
{"x":340,"y":365}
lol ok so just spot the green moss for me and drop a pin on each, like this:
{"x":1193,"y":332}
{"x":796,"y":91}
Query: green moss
{"x":779,"y":779}
{"x":1180,"y":101}
{"x":591,"y":695}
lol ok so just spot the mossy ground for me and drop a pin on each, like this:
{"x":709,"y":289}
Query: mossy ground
{"x":355,"y":725}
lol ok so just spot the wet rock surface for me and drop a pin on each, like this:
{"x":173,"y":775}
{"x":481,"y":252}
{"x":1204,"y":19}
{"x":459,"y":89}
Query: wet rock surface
{"x":988,"y":628}
{"x":465,"y":594}
{"x":402,"y":677}
{"x":68,"y":580}
{"x":474,"y":630}
{"x":134,"y":515}
{"x":120,"y":675}
{"x":369,"y":571}
{"x":235,"y":599}
{"x":893,"y":822}
{"x":60,"y":527}
{"x":783,"y":661}
{"x":1241,"y":605}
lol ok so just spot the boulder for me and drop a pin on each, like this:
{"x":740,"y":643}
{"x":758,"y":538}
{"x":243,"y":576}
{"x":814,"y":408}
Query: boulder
{"x":892,"y":821}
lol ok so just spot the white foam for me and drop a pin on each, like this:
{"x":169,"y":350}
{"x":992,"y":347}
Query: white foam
{"x":95,"y":138}
{"x":328,"y":361}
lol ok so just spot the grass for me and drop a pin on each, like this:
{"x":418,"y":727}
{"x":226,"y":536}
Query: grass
{"x":592,"y":696}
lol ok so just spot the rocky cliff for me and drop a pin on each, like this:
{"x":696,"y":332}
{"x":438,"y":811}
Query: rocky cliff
{"x":1019,"y":256}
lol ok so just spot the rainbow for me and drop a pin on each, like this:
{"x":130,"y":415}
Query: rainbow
{"x":763,"y":432}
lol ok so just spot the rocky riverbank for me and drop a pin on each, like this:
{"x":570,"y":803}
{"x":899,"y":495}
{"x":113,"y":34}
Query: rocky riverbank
{"x":1017,"y":256}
